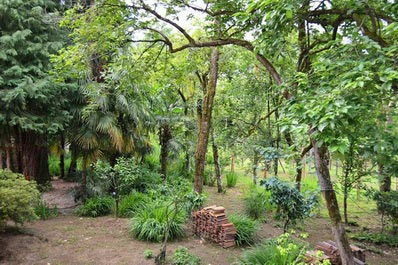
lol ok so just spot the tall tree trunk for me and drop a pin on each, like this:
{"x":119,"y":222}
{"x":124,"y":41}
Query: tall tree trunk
{"x":35,"y":157}
{"x":73,"y":161}
{"x":216,"y":163}
{"x":205,"y":123}
{"x":1,"y":159}
{"x":83,"y":182}
{"x":233,"y":163}
{"x":164,"y":137}
{"x":322,"y":168}
{"x":62,"y":157}
{"x":384,"y":180}
{"x":8,"y":155}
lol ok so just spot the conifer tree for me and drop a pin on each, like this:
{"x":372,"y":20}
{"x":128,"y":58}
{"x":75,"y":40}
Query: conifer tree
{"x":30,"y":102}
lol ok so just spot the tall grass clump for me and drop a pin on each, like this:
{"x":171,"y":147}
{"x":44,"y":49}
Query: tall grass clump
{"x":44,"y":211}
{"x":282,"y":250}
{"x":131,"y":203}
{"x":232,"y":179}
{"x":150,"y":222}
{"x":257,"y":202}
{"x":96,"y":206}
{"x":246,"y":229}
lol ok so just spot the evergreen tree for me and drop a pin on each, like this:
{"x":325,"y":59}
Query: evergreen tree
{"x":31,"y":104}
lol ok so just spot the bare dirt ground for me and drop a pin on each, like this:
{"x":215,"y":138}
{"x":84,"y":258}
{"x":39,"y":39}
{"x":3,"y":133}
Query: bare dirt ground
{"x":68,"y":239}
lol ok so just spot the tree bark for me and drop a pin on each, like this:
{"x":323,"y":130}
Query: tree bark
{"x":384,"y":180}
{"x":216,"y":164}
{"x":1,"y":159}
{"x":164,"y":137}
{"x":73,"y":162}
{"x":205,"y":123}
{"x":322,"y":169}
{"x":35,"y":157}
{"x":62,"y":157}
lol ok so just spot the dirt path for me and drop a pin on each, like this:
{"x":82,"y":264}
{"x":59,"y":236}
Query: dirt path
{"x":61,"y":195}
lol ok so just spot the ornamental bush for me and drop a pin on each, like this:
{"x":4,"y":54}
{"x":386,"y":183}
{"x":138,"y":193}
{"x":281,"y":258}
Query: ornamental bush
{"x":17,"y":198}
{"x":291,"y":204}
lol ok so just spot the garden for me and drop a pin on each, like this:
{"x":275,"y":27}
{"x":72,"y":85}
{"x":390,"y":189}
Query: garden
{"x":198,"y":132}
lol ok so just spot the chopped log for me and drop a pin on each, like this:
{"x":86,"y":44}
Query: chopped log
{"x":212,"y":223}
{"x":329,"y":248}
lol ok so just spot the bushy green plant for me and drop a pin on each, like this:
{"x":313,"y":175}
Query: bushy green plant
{"x":150,"y":222}
{"x":387,"y":206}
{"x":148,"y":254}
{"x":282,"y":251}
{"x":127,"y":175}
{"x":377,"y":238}
{"x":257,"y":202}
{"x":96,"y":206}
{"x":291,"y":204}
{"x":183,"y":257}
{"x":44,"y":211}
{"x":17,"y":197}
{"x":131,"y":203}
{"x":232,"y":179}
{"x":246,"y":229}
{"x":194,"y":201}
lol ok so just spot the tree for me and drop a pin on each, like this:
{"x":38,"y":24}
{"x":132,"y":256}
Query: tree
{"x":204,"y":113}
{"x":32,"y":106}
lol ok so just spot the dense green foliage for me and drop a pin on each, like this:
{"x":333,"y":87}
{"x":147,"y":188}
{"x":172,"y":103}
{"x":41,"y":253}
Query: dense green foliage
{"x":129,"y":204}
{"x":150,"y":222}
{"x":291,"y":204}
{"x":96,"y":206}
{"x":182,"y":256}
{"x":257,"y":202}
{"x":387,"y":206}
{"x":246,"y":229}
{"x":282,"y":250}
{"x":17,"y":198}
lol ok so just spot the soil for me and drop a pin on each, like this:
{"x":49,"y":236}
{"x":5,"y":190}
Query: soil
{"x":68,"y":239}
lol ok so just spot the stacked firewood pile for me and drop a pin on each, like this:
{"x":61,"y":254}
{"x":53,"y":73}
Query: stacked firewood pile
{"x":212,"y":223}
{"x":332,"y":254}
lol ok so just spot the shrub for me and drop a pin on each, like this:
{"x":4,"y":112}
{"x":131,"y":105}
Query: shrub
{"x":292,"y":205}
{"x":194,"y":201}
{"x":150,"y":222}
{"x":257,"y":202}
{"x":131,"y":203}
{"x":387,"y":206}
{"x":282,"y":250}
{"x":232,"y":178}
{"x":44,"y":211}
{"x":246,"y":229}
{"x":96,"y":206}
{"x":127,"y":175}
{"x":183,"y":257}
{"x":17,"y":197}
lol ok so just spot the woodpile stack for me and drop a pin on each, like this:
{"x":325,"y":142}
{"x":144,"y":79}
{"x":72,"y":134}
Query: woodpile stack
{"x":212,"y":223}
{"x":332,"y":254}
